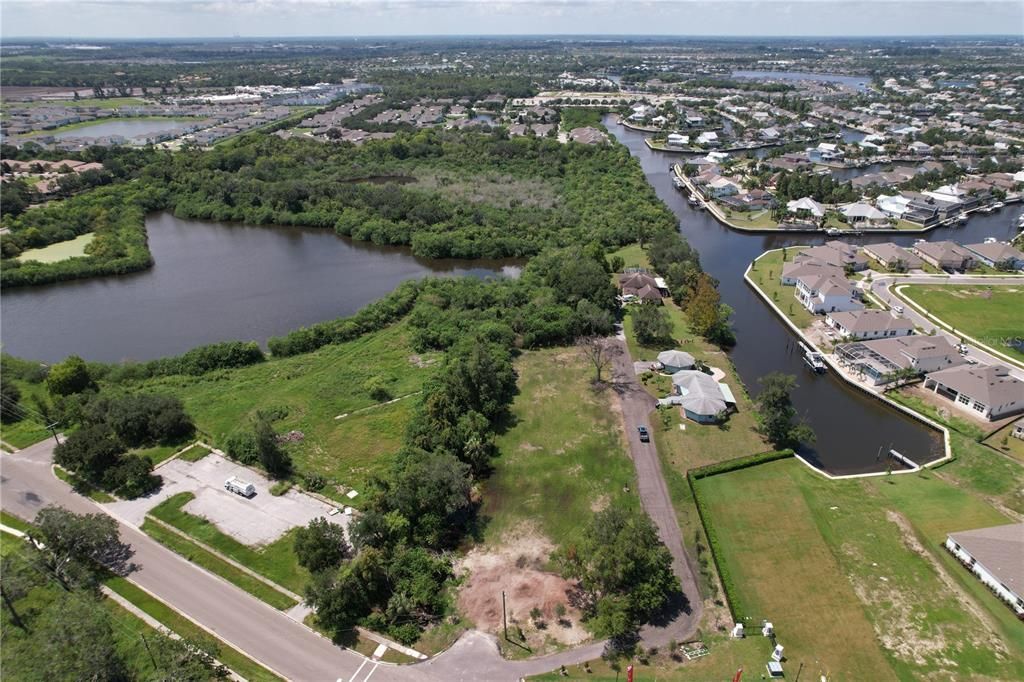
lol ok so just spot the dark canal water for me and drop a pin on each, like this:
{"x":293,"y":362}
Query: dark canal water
{"x":213,"y":282}
{"x":850,"y":426}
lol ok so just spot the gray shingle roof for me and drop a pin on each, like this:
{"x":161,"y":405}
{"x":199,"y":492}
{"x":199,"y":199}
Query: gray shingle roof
{"x":1000,"y":549}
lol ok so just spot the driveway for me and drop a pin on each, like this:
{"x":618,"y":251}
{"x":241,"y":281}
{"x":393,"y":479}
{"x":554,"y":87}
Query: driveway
{"x":637,"y":405}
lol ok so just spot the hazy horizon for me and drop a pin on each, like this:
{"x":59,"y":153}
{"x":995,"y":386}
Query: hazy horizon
{"x":297,"y":19}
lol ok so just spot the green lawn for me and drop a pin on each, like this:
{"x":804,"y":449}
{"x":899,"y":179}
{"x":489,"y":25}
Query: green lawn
{"x":159,"y":453}
{"x":766,"y":273}
{"x":194,"y":453}
{"x":59,"y":251}
{"x":275,"y":561}
{"x":12,"y":521}
{"x":30,"y":429}
{"x":310,"y":391}
{"x":990,"y":313}
{"x":862,"y":556}
{"x":177,"y":623}
{"x":758,"y":219}
{"x":632,"y":255}
{"x":564,"y":457}
{"x":217,"y":566}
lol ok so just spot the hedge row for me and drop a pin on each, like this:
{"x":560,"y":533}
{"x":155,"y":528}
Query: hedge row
{"x":370,"y":318}
{"x":692,"y":476}
{"x":198,"y":361}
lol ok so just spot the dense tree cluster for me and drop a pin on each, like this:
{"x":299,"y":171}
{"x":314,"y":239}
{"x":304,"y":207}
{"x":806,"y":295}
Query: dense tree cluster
{"x":821,"y":188}
{"x":624,"y":570}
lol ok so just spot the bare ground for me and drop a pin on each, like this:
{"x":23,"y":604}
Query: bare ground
{"x":515,"y":566}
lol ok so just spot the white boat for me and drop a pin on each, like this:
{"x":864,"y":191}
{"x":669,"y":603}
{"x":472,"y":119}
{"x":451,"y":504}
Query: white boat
{"x":998,"y":205}
{"x":833,"y":231}
{"x":677,"y":181}
{"x":961,"y":220}
{"x":813,"y":359}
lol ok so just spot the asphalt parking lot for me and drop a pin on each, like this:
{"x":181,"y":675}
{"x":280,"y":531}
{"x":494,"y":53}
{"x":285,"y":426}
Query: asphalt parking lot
{"x":255,"y":521}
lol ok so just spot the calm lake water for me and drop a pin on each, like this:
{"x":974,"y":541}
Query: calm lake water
{"x":213,"y":282}
{"x":125,"y":127}
{"x":850,"y":426}
{"x":855,"y":82}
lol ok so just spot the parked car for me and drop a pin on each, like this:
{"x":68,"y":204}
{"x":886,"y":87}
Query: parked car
{"x":645,"y":437}
{"x":898,"y":309}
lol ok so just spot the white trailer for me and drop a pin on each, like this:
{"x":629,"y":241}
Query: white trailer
{"x":239,"y":487}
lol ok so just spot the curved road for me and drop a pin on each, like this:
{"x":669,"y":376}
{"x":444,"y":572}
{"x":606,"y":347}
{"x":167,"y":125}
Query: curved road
{"x":881,"y":287}
{"x":295,"y":652}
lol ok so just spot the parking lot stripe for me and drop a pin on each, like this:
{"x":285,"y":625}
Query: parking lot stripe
{"x":356,"y":673}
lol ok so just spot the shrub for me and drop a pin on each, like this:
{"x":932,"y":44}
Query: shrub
{"x":314,"y":482}
{"x":280,"y":488}
{"x":240,"y":445}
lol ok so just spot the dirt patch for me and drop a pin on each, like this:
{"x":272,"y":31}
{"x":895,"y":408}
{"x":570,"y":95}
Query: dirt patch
{"x":515,"y":567}
{"x":421,"y":362}
{"x":600,"y":504}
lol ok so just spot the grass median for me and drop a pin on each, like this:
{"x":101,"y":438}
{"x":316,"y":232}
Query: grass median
{"x":174,"y":621}
{"x":276,"y":561}
{"x":217,"y":566}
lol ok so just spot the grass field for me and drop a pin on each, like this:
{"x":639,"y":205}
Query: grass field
{"x":59,"y":251}
{"x":30,"y":429}
{"x":177,"y":623}
{"x":83,"y":487}
{"x":311,"y":390}
{"x":765,"y":274}
{"x":853,"y":576}
{"x":194,"y":453}
{"x":217,"y":566}
{"x":275,"y":561}
{"x":12,"y":521}
{"x":989,"y":313}
{"x":759,"y":219}
{"x":563,"y":456}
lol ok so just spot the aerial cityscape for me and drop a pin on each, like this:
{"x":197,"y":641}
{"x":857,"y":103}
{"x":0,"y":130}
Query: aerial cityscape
{"x":535,"y":340}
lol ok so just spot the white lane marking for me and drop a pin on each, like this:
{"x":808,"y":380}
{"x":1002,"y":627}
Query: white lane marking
{"x":356,"y":673}
{"x":372,"y":671}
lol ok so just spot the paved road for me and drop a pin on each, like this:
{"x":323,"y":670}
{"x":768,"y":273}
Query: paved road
{"x":265,"y":634}
{"x":881,"y":287}
{"x":637,"y":406}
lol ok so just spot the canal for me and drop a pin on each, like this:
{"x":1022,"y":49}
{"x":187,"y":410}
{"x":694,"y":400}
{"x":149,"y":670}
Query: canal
{"x":213,"y":282}
{"x":851,"y":428}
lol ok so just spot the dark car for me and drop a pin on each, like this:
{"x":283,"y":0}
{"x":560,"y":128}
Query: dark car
{"x":644,"y":436}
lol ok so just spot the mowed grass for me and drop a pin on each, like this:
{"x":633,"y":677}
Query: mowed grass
{"x":182,"y":626}
{"x":991,"y":313}
{"x":59,"y":251}
{"x":563,"y":457}
{"x":310,"y":391}
{"x":214,"y":564}
{"x":1003,"y":441}
{"x":275,"y":561}
{"x":852,"y":574}
{"x":766,"y":275}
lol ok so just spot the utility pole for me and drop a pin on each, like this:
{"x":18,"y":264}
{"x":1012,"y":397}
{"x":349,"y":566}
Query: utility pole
{"x":504,"y":619}
{"x":799,"y":670}
{"x":53,"y":429}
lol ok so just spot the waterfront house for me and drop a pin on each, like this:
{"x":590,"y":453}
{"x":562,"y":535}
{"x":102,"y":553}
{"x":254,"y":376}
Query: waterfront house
{"x":640,"y":286}
{"x":752,"y":200}
{"x":864,"y":214}
{"x":996,"y":556}
{"x":721,"y":186}
{"x":673,"y":361}
{"x":880,"y":360}
{"x":806,"y":205}
{"x":795,"y":269}
{"x":708,"y":138}
{"x":677,"y":140}
{"x":702,"y":398}
{"x":838,"y":253}
{"x":987,"y":391}
{"x":826,"y":293}
{"x":869,"y":324}
{"x":769,"y":134}
{"x":893,"y":256}
{"x":894,"y":206}
{"x":945,"y":255}
{"x":588,"y":135}
{"x":998,"y":255}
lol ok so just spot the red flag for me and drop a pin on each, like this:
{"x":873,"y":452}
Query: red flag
{"x":739,"y":674}
{"x":629,"y":673}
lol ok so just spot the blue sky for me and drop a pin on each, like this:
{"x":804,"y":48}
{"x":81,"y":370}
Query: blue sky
{"x":225,"y":18}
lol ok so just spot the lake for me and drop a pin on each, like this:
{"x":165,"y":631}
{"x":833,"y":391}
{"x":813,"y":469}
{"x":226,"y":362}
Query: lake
{"x":851,"y":427}
{"x":213,"y":282}
{"x":853,"y":82}
{"x":127,"y":128}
